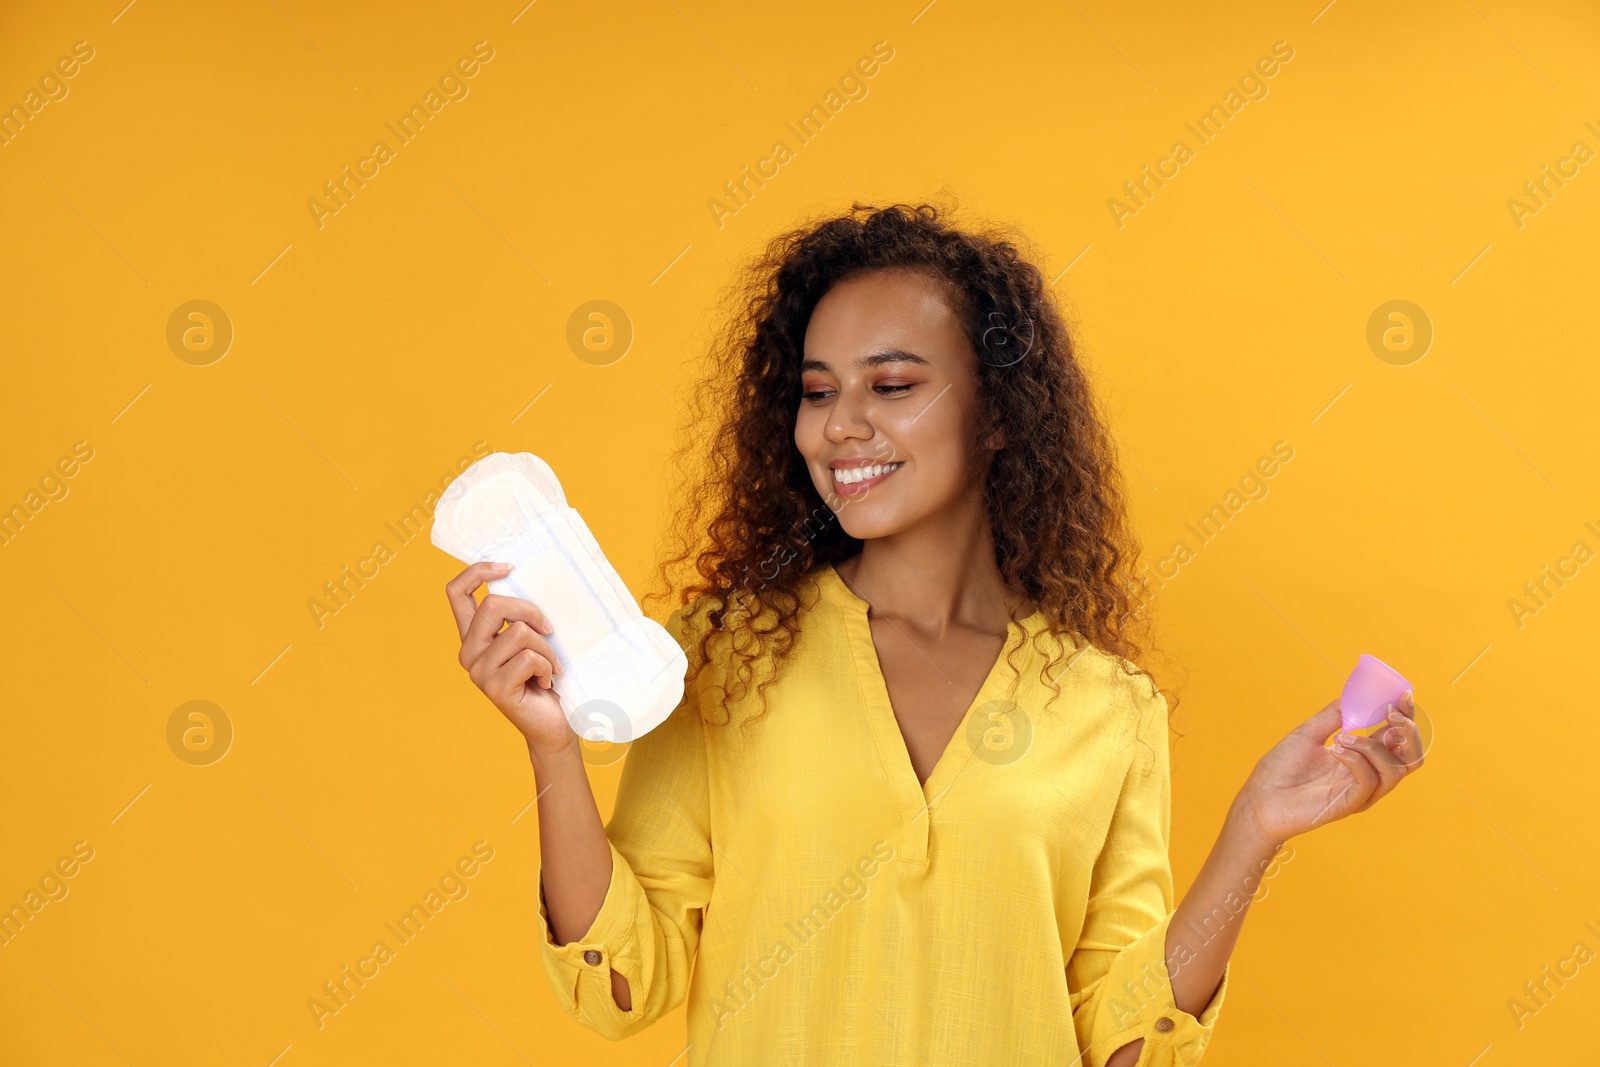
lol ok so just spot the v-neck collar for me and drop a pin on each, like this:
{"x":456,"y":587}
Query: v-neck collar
{"x":916,"y":799}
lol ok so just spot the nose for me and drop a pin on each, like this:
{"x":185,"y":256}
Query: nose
{"x":848,"y":418}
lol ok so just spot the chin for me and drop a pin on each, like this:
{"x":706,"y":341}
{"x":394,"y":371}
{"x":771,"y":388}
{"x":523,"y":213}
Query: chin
{"x":860,"y":522}
{"x":868,"y":531}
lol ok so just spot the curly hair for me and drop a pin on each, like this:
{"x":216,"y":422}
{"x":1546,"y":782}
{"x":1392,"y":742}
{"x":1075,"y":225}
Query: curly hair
{"x":752,"y":518}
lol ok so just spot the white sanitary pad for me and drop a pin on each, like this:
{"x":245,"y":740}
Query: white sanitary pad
{"x":623,"y":672}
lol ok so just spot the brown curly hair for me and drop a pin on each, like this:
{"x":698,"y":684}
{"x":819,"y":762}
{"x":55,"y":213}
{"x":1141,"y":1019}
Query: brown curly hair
{"x":753,"y":520}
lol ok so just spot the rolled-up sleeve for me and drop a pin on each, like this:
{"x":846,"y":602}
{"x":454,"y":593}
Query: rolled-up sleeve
{"x":649,"y":925}
{"x":1117,"y":978}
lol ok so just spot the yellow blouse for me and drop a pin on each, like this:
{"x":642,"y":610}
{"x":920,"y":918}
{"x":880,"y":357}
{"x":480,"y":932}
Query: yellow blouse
{"x":817,"y":905}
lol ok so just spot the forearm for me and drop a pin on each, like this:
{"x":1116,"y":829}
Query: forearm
{"x":1206,"y":924}
{"x":575,"y":857}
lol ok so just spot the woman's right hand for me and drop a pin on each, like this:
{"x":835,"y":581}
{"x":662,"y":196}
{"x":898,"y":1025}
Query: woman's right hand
{"x":512,"y":666}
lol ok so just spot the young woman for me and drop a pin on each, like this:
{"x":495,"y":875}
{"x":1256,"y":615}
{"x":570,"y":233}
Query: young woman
{"x":937,"y":831}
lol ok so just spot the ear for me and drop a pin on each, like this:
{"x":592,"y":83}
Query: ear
{"x":995,"y":439}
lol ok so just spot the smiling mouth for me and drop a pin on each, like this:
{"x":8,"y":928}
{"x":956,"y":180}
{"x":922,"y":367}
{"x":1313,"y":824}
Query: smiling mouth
{"x":854,"y":481}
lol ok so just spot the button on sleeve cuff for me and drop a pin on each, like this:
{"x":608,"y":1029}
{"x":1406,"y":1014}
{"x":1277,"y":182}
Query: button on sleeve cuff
{"x":580,"y":970}
{"x":1139,"y":1004}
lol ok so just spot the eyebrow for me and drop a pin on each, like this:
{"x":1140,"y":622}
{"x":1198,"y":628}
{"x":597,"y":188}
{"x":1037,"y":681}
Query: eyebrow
{"x":876,"y":359}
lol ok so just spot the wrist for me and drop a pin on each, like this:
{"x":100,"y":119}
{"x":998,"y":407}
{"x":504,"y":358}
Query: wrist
{"x":547,"y":757}
{"x":1245,"y":826}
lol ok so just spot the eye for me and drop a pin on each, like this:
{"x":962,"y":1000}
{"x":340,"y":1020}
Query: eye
{"x":816,"y":396}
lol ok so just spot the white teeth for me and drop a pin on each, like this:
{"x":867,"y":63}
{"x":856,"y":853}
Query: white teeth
{"x":851,"y":475}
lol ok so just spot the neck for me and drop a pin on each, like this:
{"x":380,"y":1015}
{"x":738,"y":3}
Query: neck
{"x":936,"y":582}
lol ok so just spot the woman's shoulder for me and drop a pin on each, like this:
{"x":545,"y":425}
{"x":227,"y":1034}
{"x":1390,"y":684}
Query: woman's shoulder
{"x":714,"y":629}
{"x":744,"y":608}
{"x":1101,"y":679}
{"x":711,"y":611}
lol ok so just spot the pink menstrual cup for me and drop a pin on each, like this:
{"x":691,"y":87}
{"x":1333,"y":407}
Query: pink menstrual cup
{"x":1368,"y":692}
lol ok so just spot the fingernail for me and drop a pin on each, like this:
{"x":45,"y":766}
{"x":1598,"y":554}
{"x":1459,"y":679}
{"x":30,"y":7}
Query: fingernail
{"x":1338,"y":749}
{"x":1395,"y":716}
{"x":1347,"y":740}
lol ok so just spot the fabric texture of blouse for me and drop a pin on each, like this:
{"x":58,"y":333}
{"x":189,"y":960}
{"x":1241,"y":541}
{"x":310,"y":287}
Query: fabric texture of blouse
{"x":815,"y":904}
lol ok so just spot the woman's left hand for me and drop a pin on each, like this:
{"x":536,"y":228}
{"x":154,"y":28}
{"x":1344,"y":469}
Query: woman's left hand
{"x":1302,"y":784}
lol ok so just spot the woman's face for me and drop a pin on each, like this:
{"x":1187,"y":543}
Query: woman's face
{"x":888,"y":378}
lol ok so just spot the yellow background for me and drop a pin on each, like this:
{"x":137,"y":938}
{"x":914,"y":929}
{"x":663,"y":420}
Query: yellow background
{"x":372,"y":353}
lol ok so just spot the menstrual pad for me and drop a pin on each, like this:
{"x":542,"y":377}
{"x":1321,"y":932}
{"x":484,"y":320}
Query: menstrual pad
{"x":623,"y":672}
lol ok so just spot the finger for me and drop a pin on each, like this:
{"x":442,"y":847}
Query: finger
{"x":517,"y":637}
{"x":459,"y":590}
{"x":506,"y":653}
{"x":1362,"y":770}
{"x":493,"y":612}
{"x":521,"y":667}
{"x":1320,"y":725}
{"x":505,"y":684}
{"x":1388,"y":768}
{"x":1404,"y":739}
{"x":1407,"y":704}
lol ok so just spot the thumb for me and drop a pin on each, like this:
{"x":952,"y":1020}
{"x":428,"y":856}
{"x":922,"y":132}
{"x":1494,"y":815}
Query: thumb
{"x":1320,"y":726}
